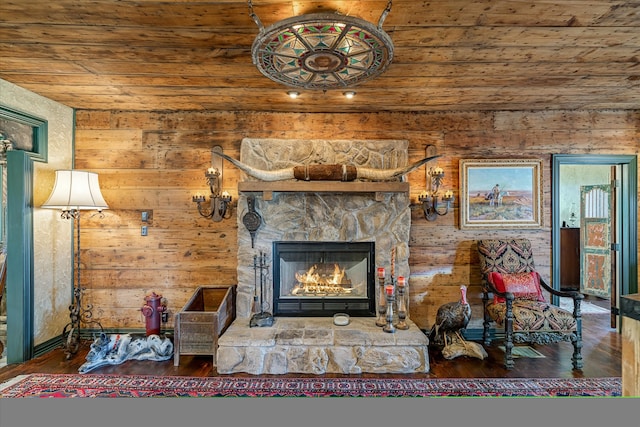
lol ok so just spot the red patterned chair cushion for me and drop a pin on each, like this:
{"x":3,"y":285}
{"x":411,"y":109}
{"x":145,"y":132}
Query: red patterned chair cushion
{"x":521,"y":285}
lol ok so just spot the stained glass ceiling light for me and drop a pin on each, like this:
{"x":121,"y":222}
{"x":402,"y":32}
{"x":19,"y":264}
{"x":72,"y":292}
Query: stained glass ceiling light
{"x":322,"y":50}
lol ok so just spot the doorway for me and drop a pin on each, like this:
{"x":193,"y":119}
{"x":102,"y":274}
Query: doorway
{"x":27,"y":135}
{"x":570,"y":173}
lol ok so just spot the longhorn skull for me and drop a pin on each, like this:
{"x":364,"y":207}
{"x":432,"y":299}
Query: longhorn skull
{"x":321,"y":172}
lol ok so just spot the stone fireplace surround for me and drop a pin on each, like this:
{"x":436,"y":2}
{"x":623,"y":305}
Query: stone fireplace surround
{"x":314,"y":344}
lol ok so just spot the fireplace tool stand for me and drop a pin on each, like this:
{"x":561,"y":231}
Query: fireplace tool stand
{"x":261,"y":317}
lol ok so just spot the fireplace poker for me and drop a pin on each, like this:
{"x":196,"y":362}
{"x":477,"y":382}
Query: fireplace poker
{"x":256,"y":304}
{"x":262,"y":282}
{"x":263,"y":318}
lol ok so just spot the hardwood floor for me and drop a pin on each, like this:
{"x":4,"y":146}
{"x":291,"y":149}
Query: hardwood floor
{"x":601,"y":353}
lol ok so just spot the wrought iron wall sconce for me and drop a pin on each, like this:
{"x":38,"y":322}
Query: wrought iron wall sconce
{"x":431,"y":196}
{"x":220,"y":201}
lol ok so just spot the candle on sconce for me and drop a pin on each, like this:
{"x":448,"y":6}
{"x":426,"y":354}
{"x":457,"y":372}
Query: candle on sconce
{"x":389,"y":290}
{"x":401,"y":281}
{"x":437,"y":170}
{"x":381,"y":272}
{"x":426,"y":196}
{"x":448,"y":194}
{"x":225,"y":193}
{"x":212,"y":171}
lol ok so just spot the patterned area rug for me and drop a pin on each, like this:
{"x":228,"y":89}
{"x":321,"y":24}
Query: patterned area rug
{"x":108,"y":385}
{"x":586,"y":307}
{"x":524,"y":351}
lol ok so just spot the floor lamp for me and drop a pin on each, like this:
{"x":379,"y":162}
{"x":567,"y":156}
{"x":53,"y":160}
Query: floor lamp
{"x":74,"y":191}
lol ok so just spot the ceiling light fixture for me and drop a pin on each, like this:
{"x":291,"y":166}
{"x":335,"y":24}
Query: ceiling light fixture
{"x":349,"y":94}
{"x":293,"y":94}
{"x":322,"y":50}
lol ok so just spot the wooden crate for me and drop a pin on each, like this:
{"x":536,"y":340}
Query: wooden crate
{"x":202,"y":320}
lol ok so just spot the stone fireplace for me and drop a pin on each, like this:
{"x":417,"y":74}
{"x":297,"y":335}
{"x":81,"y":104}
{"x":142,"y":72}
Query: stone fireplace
{"x":374,"y":214}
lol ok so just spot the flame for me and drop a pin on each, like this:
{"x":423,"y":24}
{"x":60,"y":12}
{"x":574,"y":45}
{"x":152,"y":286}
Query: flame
{"x":309,"y":277}
{"x":311,"y":282}
{"x":338,"y":275}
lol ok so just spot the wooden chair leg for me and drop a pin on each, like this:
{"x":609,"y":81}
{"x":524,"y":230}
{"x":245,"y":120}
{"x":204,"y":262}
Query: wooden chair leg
{"x":508,"y":350}
{"x":486,"y":337}
{"x":577,"y":342}
{"x":508,"y":339}
{"x":576,"y":359}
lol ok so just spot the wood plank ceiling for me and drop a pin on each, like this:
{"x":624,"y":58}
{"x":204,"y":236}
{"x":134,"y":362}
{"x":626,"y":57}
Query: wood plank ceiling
{"x":448,"y":54}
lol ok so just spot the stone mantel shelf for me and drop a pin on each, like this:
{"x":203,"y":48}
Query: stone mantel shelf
{"x":268,"y":188}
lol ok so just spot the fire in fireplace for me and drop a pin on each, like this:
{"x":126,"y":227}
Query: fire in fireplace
{"x":323,"y":278}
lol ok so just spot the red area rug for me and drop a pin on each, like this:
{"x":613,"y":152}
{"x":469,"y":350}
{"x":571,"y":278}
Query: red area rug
{"x":109,"y":385}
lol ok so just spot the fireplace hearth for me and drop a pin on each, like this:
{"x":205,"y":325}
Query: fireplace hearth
{"x":320,"y":279}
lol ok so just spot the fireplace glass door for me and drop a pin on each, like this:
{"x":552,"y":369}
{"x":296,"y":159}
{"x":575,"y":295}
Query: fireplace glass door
{"x":324,"y":278}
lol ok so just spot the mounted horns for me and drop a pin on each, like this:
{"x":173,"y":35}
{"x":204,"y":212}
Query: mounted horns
{"x":321,"y":172}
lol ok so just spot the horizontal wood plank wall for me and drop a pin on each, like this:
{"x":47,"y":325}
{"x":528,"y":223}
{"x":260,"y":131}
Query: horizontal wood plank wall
{"x":155,"y":162}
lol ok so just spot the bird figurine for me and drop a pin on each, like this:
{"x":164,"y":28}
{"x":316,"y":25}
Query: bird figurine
{"x":451,"y":319}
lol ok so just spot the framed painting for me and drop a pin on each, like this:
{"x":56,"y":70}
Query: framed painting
{"x":500,"y":193}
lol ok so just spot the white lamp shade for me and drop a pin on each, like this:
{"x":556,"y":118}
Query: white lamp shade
{"x":76,"y":190}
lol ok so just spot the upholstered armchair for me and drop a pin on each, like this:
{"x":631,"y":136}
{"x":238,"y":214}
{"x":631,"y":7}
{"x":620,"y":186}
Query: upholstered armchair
{"x":518,"y":303}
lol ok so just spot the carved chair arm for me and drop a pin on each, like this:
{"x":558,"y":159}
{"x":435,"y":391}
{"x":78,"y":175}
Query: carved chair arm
{"x":568,"y":294}
{"x":488,"y":288}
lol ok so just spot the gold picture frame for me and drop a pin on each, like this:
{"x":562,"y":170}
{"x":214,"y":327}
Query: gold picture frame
{"x":500,"y":193}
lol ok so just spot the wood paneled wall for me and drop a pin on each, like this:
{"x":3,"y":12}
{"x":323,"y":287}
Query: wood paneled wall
{"x":155,"y":162}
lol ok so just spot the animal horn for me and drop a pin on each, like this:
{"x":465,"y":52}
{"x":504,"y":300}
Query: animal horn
{"x":389,"y":174}
{"x":264,"y":175}
{"x":289,"y":173}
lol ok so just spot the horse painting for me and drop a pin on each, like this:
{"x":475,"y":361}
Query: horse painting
{"x":495,"y":200}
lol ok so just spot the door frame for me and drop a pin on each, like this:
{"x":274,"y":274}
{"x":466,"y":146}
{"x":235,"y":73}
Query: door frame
{"x":628,"y":216}
{"x":20,"y":254}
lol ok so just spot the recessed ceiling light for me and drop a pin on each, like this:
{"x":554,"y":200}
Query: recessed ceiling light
{"x":349,"y":94}
{"x":293,"y":94}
